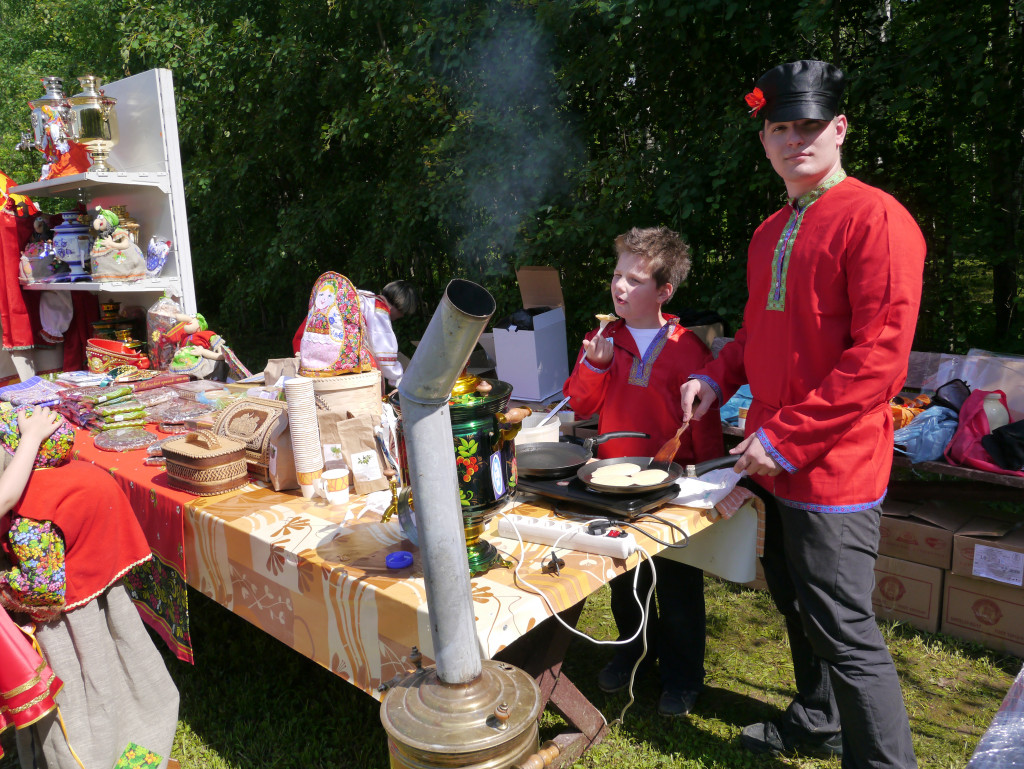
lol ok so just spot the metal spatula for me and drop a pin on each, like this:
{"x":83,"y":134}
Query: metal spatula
{"x":663,"y":459}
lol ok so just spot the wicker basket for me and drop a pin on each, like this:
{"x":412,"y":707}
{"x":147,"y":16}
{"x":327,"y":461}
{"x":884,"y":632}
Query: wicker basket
{"x":203,"y":463}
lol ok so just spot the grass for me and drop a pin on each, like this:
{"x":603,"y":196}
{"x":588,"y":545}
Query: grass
{"x":250,"y":702}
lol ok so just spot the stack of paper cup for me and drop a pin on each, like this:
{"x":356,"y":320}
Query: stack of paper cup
{"x":305,"y":432}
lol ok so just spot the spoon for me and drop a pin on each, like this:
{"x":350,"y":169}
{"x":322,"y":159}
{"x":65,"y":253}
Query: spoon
{"x":553,"y":411}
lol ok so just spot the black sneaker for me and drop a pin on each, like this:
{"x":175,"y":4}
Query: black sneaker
{"x":766,"y":737}
{"x":677,"y":703}
{"x":614,"y":677}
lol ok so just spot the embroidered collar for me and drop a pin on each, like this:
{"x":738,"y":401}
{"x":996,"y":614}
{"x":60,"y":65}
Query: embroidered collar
{"x":805,"y":200}
{"x":613,"y":329}
{"x":640,"y":370}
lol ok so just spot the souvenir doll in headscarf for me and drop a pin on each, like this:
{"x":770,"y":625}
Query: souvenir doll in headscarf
{"x":199,"y":349}
{"x":114,"y":255}
{"x":320,"y":342}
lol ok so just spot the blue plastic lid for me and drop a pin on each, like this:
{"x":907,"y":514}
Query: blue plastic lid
{"x":400,"y":559}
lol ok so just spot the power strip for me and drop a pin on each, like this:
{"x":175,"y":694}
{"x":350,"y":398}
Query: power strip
{"x":568,"y":535}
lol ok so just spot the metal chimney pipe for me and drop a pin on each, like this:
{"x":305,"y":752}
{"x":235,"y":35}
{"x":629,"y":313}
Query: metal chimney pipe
{"x":424,"y":391}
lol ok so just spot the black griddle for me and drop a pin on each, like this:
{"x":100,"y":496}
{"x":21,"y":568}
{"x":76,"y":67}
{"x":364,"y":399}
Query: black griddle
{"x":573,"y":490}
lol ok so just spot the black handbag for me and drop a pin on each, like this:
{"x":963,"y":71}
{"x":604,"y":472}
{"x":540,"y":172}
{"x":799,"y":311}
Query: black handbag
{"x":952,"y":394}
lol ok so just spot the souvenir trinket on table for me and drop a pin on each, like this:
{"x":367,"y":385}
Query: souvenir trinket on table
{"x":34,"y":391}
{"x":130,"y":374}
{"x":178,"y":411}
{"x":161,"y":317}
{"x":198,"y":350}
{"x":333,"y":336}
{"x":105,"y":354}
{"x":203,"y":463}
{"x":124,"y":439}
{"x":262,"y":425}
{"x":115,"y":256}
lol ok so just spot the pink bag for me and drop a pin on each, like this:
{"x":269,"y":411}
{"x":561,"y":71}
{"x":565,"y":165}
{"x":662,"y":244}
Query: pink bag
{"x":332,"y":339}
{"x":27,"y":684}
{"x":965,"y":449}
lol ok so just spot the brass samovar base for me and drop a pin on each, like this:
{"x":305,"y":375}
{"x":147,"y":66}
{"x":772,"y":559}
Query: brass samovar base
{"x":488,"y":723}
{"x":481,"y":554}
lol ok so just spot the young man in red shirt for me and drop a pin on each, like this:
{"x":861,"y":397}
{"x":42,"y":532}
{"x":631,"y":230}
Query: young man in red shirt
{"x":834,"y":284}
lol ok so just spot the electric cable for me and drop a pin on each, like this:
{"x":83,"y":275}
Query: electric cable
{"x":675,"y":545}
{"x":644,"y":606}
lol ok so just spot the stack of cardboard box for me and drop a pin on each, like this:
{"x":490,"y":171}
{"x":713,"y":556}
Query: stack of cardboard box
{"x":941,"y":568}
{"x":984,"y":595}
{"x":915,"y":550}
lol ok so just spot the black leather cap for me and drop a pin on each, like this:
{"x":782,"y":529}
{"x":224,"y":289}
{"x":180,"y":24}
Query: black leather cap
{"x":801,"y":90}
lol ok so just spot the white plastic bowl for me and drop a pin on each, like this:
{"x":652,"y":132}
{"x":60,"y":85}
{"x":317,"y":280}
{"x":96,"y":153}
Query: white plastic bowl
{"x":531,"y":433}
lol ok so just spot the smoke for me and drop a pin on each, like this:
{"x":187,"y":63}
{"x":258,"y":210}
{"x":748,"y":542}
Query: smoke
{"x":519,"y":145}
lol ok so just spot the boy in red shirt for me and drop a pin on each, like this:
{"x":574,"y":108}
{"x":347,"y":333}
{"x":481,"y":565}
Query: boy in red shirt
{"x":629,"y":373}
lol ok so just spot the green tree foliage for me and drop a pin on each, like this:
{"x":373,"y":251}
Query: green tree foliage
{"x":429,"y":140}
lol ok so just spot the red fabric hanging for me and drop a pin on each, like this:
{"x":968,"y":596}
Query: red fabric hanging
{"x":15,"y":313}
{"x":86,"y":312}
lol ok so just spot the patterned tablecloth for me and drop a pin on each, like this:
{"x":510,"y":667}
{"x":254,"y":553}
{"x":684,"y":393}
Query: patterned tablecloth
{"x":314,"y":575}
{"x":293,"y":568}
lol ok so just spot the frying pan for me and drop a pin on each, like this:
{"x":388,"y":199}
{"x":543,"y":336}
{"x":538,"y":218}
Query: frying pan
{"x":676,"y":473}
{"x":557,"y":460}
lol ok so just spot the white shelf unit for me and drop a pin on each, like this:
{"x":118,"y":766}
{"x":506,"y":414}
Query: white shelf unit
{"x":147,"y":181}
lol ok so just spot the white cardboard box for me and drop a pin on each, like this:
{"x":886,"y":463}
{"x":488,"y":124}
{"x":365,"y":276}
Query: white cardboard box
{"x":535,"y":363}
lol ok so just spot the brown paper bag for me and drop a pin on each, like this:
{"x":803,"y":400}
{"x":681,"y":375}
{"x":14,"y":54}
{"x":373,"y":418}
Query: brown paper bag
{"x":354,"y":440}
{"x":279,"y":367}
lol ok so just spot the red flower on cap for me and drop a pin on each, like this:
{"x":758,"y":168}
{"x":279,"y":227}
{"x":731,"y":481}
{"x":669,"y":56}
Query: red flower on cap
{"x":755,"y":100}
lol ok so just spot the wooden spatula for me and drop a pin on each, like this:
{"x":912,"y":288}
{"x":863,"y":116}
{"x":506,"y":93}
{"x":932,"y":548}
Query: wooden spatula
{"x":663,"y":459}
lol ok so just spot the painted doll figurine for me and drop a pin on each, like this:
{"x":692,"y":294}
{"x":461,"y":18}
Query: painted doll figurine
{"x":333,"y":334}
{"x":114,"y":255}
{"x":199,"y":349}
